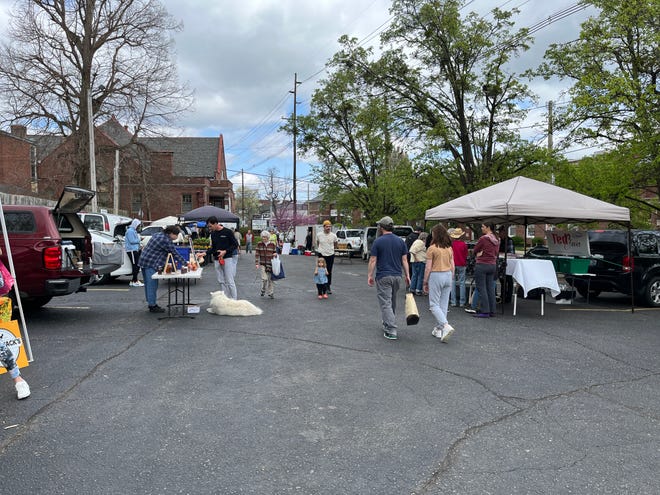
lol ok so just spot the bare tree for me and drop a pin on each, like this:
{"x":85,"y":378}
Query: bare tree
{"x":117,"y":54}
{"x":278,"y":193}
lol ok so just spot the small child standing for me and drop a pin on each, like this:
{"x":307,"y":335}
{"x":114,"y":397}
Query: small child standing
{"x":321,"y":278}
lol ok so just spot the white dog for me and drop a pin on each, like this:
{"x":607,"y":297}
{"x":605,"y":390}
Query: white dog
{"x":223,"y":305}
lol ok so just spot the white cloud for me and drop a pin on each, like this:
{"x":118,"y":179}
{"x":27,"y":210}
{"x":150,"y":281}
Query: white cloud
{"x":240,"y":58}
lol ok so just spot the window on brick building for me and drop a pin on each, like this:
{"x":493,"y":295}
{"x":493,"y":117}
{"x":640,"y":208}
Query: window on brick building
{"x":136,"y":203}
{"x":186,"y":203}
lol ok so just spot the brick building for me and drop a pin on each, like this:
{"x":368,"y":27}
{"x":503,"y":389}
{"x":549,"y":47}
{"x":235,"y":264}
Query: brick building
{"x":16,"y":162}
{"x":147,"y":178}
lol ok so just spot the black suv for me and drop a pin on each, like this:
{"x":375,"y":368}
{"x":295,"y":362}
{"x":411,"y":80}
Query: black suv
{"x":612,"y":267}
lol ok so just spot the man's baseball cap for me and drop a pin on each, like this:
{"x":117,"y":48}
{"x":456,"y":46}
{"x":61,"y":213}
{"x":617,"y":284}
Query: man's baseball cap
{"x":386,"y":222}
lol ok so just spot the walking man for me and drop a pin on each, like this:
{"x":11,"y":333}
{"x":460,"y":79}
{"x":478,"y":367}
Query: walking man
{"x":388,"y":261}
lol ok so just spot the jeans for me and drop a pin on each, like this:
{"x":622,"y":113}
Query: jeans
{"x":439,"y":288}
{"x":150,"y":285}
{"x":459,"y":279}
{"x":387,"y":288}
{"x":417,"y":281}
{"x":225,"y":274}
{"x":484,"y":275}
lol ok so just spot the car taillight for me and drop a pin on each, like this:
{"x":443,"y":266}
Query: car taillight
{"x":53,"y":258}
{"x":106,"y":226}
{"x":628,"y":264}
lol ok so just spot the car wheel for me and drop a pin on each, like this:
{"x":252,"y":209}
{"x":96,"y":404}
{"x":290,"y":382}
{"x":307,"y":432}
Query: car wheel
{"x":97,"y":279}
{"x":652,"y":292}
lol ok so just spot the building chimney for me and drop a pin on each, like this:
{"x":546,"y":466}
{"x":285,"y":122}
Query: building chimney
{"x":20,"y":131}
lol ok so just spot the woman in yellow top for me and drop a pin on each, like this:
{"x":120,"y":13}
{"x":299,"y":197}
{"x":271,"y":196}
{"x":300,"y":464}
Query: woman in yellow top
{"x":438,"y":275}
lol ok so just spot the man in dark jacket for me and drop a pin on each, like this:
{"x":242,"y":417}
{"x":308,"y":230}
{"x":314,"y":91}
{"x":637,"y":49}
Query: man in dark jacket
{"x":224,"y":250}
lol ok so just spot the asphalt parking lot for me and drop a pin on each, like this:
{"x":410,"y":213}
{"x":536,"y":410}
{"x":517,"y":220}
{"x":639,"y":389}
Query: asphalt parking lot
{"x":309,"y":398}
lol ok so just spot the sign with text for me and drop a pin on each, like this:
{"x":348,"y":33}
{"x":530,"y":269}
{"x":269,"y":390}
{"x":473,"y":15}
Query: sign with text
{"x":568,"y":243}
{"x":10,"y":335}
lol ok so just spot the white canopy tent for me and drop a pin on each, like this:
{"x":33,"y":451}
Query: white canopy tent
{"x":526,"y":201}
{"x":165,"y":221}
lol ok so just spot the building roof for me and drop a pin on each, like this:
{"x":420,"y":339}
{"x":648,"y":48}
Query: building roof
{"x":192,"y":156}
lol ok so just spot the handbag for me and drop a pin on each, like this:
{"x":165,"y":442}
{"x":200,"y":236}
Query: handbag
{"x":412,"y":315}
{"x":276,"y":265}
{"x":280,"y":274}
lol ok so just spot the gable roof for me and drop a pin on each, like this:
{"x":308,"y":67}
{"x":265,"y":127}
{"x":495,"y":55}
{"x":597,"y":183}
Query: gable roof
{"x":526,"y":201}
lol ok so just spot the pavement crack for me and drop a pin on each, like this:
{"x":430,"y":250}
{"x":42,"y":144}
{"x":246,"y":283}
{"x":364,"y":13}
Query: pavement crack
{"x":27,"y":426}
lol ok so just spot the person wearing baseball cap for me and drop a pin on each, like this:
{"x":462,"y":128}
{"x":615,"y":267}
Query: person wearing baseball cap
{"x":387,"y":262}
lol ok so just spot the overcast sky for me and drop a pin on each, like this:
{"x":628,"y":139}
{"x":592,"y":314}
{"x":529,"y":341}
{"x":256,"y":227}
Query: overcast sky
{"x":240,"y":58}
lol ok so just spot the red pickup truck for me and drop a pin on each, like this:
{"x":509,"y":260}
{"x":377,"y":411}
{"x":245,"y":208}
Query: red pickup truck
{"x":51,"y":247}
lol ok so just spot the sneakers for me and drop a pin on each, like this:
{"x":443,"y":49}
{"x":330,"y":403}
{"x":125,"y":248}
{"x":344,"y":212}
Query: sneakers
{"x":446,"y":332}
{"x":437,"y":332}
{"x":156,"y":309}
{"x":272,"y":296}
{"x":136,"y":284}
{"x":325,"y":296}
{"x":22,"y":390}
{"x":329,"y":291}
{"x":320,"y":296}
{"x":470,"y":310}
{"x":262,"y":293}
{"x":391,"y":335}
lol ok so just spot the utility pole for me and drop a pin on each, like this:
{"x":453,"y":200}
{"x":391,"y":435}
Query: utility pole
{"x":550,"y":130}
{"x":242,"y":198}
{"x":295,"y":132}
{"x":92,"y":152}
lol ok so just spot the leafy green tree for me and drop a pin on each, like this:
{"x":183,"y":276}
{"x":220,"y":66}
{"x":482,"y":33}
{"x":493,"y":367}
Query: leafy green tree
{"x":348,"y":130}
{"x":615,"y":97}
{"x":601,"y":176}
{"x":446,"y":78}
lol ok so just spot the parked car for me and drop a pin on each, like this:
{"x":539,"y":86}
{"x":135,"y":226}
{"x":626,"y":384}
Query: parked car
{"x":103,"y":222}
{"x":349,"y":241}
{"x":51,"y":247}
{"x":147,"y":232}
{"x":614,"y":271}
{"x":370,"y":234}
{"x":110,"y":257}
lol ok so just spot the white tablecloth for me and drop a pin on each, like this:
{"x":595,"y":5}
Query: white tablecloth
{"x":532,"y":274}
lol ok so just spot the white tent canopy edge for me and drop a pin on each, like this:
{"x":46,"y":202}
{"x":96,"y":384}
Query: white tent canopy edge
{"x":526,"y":201}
